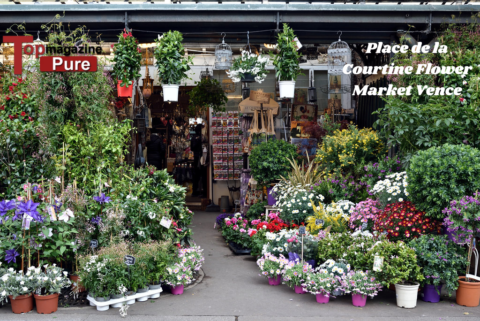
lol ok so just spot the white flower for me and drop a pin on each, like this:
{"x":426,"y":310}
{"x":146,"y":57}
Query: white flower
{"x":400,"y":199}
{"x":151,"y":215}
{"x":25,"y":289}
{"x":58,"y":180}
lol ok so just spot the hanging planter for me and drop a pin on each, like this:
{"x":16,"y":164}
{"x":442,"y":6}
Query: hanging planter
{"x":127,"y":60}
{"x":248,"y":77}
{"x":207,"y":93}
{"x":249,"y":68}
{"x":286,"y":62}
{"x":407,"y":295}
{"x":172,"y":63}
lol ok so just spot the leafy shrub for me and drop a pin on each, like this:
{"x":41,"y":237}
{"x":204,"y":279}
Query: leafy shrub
{"x":346,"y":148}
{"x":441,"y":174}
{"x":207,"y":93}
{"x":337,"y":187}
{"x":333,"y":246}
{"x":127,"y":59}
{"x":441,"y":260}
{"x":256,"y":210}
{"x":286,"y":62}
{"x":269,"y":161}
{"x":403,"y":222}
{"x":399,"y":263}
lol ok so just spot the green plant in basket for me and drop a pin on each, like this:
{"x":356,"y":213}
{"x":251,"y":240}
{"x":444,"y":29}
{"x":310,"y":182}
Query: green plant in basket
{"x":442,"y":260}
{"x":127,"y":59}
{"x":287,"y":58}
{"x":207,"y":94}
{"x":170,"y":58}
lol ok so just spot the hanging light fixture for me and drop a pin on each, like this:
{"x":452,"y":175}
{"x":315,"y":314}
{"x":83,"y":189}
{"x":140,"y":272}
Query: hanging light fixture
{"x":223,"y":55}
{"x":245,"y":92}
{"x":205,"y":74}
{"x":147,"y":81}
{"x":312,"y":92}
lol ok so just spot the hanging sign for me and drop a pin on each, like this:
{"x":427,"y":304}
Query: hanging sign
{"x":259,"y":96}
{"x":129,"y":260}
{"x":165,"y":222}
{"x":93,"y":244}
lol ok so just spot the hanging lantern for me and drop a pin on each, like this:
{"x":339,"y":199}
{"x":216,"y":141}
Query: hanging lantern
{"x":223,"y":55}
{"x":312,"y":94}
{"x":147,"y":81}
{"x":206,"y":74}
{"x":245,"y":92}
{"x":228,"y":86}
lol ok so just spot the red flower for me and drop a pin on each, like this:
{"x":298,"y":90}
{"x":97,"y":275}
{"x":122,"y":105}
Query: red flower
{"x":2,"y":107}
{"x":24,"y":96}
{"x":10,"y":88}
{"x":138,"y":49}
{"x":30,"y":118}
{"x":14,"y":84}
{"x":7,"y":98}
{"x":23,"y":113}
{"x":10,"y":116}
{"x":119,"y":104}
{"x":130,"y":34}
{"x":111,"y":45}
{"x":124,"y":36}
{"x":20,"y":80}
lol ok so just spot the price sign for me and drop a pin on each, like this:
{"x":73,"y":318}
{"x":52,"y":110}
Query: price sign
{"x":364,"y":226}
{"x":301,"y":230}
{"x":319,"y":222}
{"x":94,"y":244}
{"x":377,"y":263}
{"x":165,"y":222}
{"x":129,"y":260}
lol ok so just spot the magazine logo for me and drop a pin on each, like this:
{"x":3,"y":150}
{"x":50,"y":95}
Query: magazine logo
{"x":53,"y":63}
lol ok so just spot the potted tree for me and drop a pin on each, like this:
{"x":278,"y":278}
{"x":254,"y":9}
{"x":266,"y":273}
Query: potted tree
{"x":127,"y":63}
{"x":463,"y":219}
{"x":171,"y":63}
{"x":48,"y":286}
{"x":248,"y":67}
{"x":286,"y":62}
{"x":269,"y":161}
{"x":441,"y":261}
{"x":394,"y":263}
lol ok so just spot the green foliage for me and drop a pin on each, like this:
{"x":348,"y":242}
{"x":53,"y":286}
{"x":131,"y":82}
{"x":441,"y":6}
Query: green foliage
{"x":356,"y":251}
{"x":207,"y":93}
{"x":441,"y":174}
{"x":256,"y":210}
{"x":269,"y":161}
{"x":347,"y":148}
{"x":258,"y":240}
{"x":333,"y":246}
{"x":127,"y":59}
{"x":418,"y":122}
{"x":399,"y":263}
{"x":169,"y":54}
{"x":287,"y":59}
{"x":248,"y":63}
{"x":442,"y":260}
{"x":310,"y":248}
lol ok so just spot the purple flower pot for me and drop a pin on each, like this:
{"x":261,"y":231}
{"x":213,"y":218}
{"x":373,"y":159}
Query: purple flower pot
{"x":321,"y":298}
{"x":359,"y":300}
{"x":271,"y":200}
{"x":177,"y":290}
{"x":299,"y":289}
{"x":275,"y":281}
{"x":292,"y":257}
{"x":430,"y":293}
{"x":311,"y":262}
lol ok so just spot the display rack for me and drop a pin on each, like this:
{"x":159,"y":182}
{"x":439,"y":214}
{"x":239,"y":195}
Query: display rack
{"x":227,"y":146}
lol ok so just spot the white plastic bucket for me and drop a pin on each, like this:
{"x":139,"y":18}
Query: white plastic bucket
{"x":170,"y":92}
{"x":287,"y":89}
{"x":407,"y":295}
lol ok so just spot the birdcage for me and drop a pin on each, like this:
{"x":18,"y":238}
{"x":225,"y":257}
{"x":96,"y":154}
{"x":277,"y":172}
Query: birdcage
{"x":339,"y":54}
{"x":223,"y":56}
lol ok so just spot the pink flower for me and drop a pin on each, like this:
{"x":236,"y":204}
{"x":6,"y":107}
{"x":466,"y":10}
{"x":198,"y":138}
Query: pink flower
{"x":228,"y":223}
{"x":235,"y":227}
{"x":242,"y":230}
{"x":234,"y":220}
{"x":462,"y":99}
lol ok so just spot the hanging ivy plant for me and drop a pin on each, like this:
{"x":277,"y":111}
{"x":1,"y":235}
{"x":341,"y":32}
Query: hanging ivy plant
{"x":207,"y":93}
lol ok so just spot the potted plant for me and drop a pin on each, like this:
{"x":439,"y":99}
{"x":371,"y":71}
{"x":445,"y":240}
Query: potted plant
{"x":269,"y":161}
{"x":49,"y":285}
{"x":361,"y":285}
{"x":19,"y":290}
{"x":396,"y":263}
{"x":177,"y":276}
{"x":294,"y":275}
{"x":272,"y":267}
{"x":172,"y":65}
{"x":286,"y":62}
{"x":207,"y":93}
{"x":235,"y":234}
{"x":463,"y":219}
{"x":338,"y":270}
{"x":248,"y":67}
{"x":320,"y":284}
{"x":127,"y":63}
{"x":441,"y":261}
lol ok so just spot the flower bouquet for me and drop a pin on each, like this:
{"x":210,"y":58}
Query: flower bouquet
{"x":272,"y":267}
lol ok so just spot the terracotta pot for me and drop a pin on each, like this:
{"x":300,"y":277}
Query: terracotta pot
{"x":125,"y":91}
{"x":46,"y":304}
{"x":74,"y":279}
{"x":22,"y":303}
{"x":468,"y":293}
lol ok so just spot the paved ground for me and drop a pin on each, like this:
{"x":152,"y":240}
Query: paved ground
{"x":232,"y":290}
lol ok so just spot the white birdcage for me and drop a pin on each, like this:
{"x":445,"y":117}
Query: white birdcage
{"x":223,"y":55}
{"x":339,"y":54}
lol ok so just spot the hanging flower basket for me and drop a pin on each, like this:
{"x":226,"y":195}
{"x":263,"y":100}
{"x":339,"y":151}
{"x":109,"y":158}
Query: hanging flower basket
{"x":125,"y":91}
{"x":170,"y":93}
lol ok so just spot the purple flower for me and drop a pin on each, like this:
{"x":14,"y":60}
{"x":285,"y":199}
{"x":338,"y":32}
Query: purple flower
{"x":96,"y":220}
{"x":102,"y":199}
{"x":10,"y":256}
{"x":6,"y":206}
{"x":28,"y":208}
